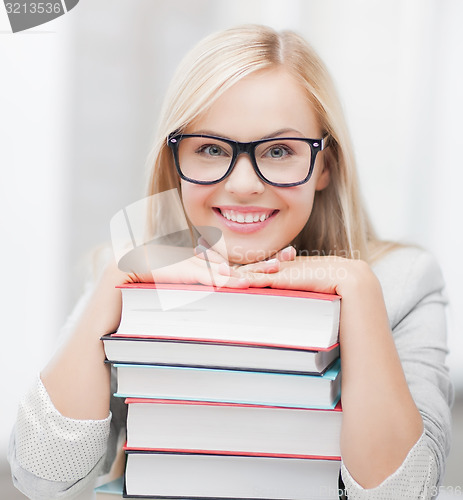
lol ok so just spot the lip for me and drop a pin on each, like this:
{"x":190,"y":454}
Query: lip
{"x":246,"y":227}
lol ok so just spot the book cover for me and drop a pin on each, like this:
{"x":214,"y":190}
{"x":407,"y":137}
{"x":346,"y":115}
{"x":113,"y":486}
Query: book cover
{"x":268,"y":316}
{"x":232,"y":386}
{"x":161,"y":351}
{"x":223,"y":427}
{"x":202,"y":475}
{"x":111,"y":490}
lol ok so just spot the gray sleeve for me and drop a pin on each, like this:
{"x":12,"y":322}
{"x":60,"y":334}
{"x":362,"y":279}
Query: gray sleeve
{"x":420,"y":333}
{"x":413,"y":289}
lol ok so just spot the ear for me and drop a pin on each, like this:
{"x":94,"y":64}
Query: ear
{"x":324,"y":178}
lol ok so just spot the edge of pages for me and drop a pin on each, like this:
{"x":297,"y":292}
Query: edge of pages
{"x":131,"y":400}
{"x":244,"y":403}
{"x":330,"y":374}
{"x":237,"y":343}
{"x":252,"y":291}
{"x":222,"y":453}
{"x":216,"y":497}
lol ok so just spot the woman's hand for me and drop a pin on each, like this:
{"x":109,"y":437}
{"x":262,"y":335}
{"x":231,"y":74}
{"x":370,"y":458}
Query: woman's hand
{"x":204,"y":268}
{"x":209,"y":267}
{"x":170,"y":264}
{"x":328,"y":274}
{"x":265,"y":266}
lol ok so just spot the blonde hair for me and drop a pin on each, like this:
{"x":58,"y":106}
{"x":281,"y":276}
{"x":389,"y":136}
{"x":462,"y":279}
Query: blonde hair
{"x":338,"y":223}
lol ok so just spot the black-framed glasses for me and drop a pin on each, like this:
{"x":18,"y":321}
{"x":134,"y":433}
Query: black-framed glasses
{"x":278,"y":161}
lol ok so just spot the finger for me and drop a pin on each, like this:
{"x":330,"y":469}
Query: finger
{"x":233,"y":282}
{"x":287,"y":254}
{"x":208,"y":254}
{"x":204,"y":243}
{"x":223,"y":275}
{"x":227,"y":270}
{"x":264,"y":266}
{"x":210,"y":277}
{"x":259,"y":280}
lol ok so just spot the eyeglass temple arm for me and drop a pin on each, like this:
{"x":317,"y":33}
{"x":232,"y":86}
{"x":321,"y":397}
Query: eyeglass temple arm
{"x":325,"y":142}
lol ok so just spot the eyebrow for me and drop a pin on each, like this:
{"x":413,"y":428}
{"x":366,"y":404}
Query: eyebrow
{"x":276,"y":133}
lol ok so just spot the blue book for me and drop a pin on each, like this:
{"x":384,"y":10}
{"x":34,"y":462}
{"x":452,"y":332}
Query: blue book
{"x":230,"y":386}
{"x":111,"y":490}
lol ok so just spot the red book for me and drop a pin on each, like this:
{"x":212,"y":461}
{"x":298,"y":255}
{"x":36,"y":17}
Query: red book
{"x":253,"y":316}
{"x":223,"y":428}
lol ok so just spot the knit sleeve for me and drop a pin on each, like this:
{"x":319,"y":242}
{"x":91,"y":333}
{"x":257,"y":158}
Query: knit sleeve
{"x":415,"y":479}
{"x":50,"y":454}
{"x":53,"y":456}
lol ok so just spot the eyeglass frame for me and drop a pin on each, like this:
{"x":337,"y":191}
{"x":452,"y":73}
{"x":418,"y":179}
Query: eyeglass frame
{"x":249,"y":148}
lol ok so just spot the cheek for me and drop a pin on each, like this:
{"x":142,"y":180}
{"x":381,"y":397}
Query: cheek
{"x":300,"y":204}
{"x":194,"y":199}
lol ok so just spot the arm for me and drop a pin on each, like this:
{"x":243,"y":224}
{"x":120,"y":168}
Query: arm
{"x":386,"y":375}
{"x":77,"y":379}
{"x":413,"y":289}
{"x":381,"y":422}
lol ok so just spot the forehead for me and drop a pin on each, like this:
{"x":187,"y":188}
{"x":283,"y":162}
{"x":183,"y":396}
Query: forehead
{"x":259,"y":105}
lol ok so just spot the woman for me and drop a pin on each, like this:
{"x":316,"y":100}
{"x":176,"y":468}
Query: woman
{"x":241,"y":102}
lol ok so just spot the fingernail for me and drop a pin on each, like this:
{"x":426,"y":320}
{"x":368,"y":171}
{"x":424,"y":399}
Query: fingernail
{"x":271,"y":261}
{"x":289,"y":249}
{"x":244,"y":282}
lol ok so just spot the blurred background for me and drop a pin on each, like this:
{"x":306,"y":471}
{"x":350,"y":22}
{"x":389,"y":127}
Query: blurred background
{"x":79,"y":100}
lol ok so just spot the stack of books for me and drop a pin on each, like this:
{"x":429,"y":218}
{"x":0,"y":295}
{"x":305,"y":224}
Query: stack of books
{"x":231,"y":393}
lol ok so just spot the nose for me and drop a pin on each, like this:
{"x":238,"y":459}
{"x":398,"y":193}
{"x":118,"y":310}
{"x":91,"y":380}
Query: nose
{"x":244,"y":180}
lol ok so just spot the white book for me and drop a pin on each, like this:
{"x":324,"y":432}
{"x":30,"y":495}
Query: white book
{"x":232,"y":386}
{"x":223,"y":427}
{"x":264,"y":316}
{"x":184,"y":475}
{"x":159,"y":351}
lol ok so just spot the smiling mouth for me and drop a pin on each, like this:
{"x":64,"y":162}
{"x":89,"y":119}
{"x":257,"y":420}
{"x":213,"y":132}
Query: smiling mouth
{"x":243,"y":217}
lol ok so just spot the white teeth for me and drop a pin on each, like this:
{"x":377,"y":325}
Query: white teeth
{"x":244,"y":218}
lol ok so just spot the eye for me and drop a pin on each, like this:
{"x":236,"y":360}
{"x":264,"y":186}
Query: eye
{"x":213,"y":150}
{"x":278,"y":151}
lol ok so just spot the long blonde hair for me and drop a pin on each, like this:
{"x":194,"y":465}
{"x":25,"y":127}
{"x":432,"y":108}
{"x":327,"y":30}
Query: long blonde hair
{"x":338,"y":223}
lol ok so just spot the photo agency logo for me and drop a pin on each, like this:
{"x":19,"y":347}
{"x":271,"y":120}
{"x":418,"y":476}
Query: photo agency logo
{"x":153,"y":234}
{"x":26,"y":14}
